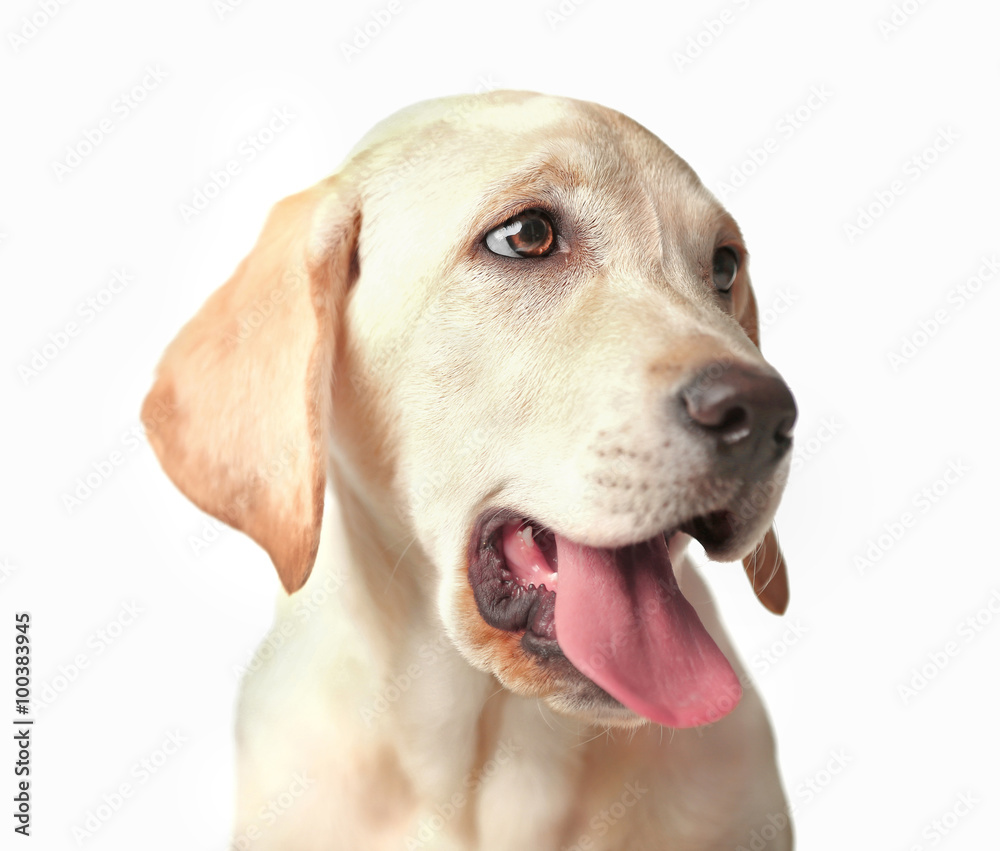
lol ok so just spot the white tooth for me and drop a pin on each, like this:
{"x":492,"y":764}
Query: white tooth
{"x":526,"y":536}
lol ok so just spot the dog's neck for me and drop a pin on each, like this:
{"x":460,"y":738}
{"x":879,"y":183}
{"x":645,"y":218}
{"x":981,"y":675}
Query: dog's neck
{"x":383,"y":683}
{"x":442,"y":744}
{"x":390,"y":577}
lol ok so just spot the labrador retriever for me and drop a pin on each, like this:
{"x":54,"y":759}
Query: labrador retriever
{"x":512,"y":348}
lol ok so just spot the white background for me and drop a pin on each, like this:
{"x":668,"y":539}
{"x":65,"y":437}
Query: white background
{"x":866,"y":766}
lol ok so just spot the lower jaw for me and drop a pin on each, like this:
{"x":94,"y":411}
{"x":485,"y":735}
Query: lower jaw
{"x":542,"y":646}
{"x":574,"y":694}
{"x":583,"y":700}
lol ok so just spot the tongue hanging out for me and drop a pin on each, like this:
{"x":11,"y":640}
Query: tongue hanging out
{"x":623,"y":623}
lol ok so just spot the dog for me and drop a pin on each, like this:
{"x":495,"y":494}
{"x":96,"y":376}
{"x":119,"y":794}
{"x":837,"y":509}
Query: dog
{"x":491,"y":378}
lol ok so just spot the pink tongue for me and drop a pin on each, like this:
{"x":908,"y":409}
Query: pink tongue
{"x":622,"y":622}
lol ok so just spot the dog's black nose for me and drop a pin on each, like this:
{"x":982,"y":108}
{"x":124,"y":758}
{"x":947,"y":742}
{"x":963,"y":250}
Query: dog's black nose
{"x":748,"y":412}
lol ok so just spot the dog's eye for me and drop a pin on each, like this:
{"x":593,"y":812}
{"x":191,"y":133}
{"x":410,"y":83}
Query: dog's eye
{"x":725,"y":265}
{"x":528,"y":234}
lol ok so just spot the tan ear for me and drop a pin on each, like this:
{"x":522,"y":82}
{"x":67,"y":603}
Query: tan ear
{"x":765,"y":566}
{"x":242,"y":396}
{"x":746,"y":313}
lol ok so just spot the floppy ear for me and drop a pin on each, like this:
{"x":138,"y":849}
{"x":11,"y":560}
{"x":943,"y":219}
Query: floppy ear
{"x":765,"y":566}
{"x":242,"y":396}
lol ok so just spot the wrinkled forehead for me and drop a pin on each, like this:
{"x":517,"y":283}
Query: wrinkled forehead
{"x":478,"y":158}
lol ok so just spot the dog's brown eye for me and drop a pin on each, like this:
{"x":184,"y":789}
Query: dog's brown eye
{"x":725,"y":265}
{"x":528,"y":234}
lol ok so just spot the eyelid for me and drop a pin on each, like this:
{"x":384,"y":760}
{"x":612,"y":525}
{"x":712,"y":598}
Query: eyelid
{"x":737,"y":248}
{"x":732,"y":245}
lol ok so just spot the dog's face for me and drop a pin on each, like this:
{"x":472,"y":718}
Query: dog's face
{"x":545,"y":372}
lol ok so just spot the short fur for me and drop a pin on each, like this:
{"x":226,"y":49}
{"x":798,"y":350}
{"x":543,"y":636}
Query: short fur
{"x":371,"y":350}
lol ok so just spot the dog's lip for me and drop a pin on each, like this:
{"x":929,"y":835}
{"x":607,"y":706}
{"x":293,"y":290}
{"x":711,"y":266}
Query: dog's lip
{"x":505,"y":601}
{"x":713,"y":529}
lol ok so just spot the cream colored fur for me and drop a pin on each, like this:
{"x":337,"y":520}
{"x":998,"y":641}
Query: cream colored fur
{"x":414,"y":380}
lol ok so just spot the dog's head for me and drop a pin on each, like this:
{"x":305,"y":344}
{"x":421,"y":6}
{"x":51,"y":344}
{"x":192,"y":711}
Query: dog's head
{"x":520,"y":331}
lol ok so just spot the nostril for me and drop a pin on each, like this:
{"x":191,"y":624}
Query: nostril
{"x":716,"y":406}
{"x":783,"y":433}
{"x":734,"y":426}
{"x":742,"y":409}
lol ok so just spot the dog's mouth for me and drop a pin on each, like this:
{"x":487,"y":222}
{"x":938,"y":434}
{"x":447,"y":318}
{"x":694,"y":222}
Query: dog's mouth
{"x":616,"y":614}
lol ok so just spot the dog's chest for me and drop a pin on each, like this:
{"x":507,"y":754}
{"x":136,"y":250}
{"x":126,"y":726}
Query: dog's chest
{"x":536,"y":783}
